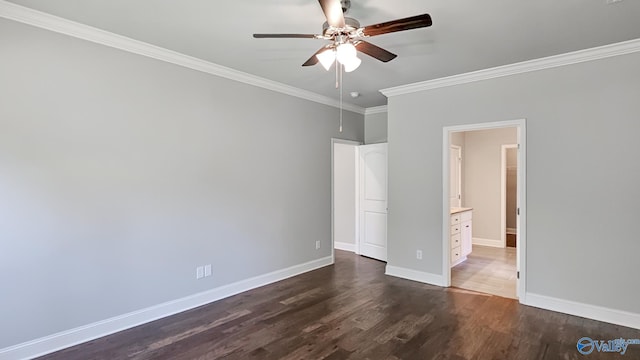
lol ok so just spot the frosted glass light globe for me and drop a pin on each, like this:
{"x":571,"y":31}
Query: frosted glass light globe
{"x":352,"y":64}
{"x":327,"y":58}
{"x":346,"y":52}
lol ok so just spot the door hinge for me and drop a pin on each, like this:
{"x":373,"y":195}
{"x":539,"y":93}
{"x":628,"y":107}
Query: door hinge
{"x":518,"y":211}
{"x":459,"y":197}
{"x":518,"y":146}
{"x":518,"y":274}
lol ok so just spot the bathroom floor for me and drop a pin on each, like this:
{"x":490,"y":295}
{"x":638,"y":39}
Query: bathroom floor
{"x":488,"y":270}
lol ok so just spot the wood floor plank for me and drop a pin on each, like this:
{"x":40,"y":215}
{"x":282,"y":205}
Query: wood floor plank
{"x":351,"y":310}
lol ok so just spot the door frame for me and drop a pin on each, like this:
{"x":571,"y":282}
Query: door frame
{"x":520,"y":125}
{"x":356,"y":195}
{"x":503,"y":192}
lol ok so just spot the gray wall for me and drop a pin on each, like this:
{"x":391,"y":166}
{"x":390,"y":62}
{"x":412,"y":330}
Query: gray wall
{"x":483,"y":180}
{"x":582,"y":174}
{"x":375,"y":128}
{"x":120,"y":174}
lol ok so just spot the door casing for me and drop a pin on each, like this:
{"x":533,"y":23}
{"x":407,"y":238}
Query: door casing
{"x":520,"y":125}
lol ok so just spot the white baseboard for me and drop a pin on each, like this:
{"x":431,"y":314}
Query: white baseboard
{"x":415,"y":275}
{"x":512,"y":231}
{"x":594,"y":312}
{"x":487,"y":242}
{"x":344,"y":246}
{"x":65,"y":339}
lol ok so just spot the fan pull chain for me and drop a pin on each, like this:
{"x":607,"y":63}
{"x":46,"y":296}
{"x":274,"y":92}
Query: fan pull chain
{"x":337,"y":69}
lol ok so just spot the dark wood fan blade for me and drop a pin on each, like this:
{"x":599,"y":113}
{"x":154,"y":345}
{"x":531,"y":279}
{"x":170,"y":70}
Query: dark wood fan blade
{"x":375,"y":51}
{"x":409,"y":23}
{"x":313,"y":59}
{"x":284,"y":36}
{"x":333,"y":12}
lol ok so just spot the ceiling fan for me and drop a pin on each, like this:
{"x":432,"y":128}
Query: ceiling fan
{"x":346,"y":36}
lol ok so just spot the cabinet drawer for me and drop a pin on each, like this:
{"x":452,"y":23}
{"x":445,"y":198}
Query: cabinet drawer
{"x":466,"y":216}
{"x":455,"y":219}
{"x":455,"y":240}
{"x":455,"y":229}
{"x":455,"y":254}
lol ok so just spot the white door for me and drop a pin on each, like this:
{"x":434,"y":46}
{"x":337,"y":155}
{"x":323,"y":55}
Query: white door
{"x":455,"y":179}
{"x":373,"y":201}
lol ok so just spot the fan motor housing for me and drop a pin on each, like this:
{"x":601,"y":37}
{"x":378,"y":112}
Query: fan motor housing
{"x":350,"y":24}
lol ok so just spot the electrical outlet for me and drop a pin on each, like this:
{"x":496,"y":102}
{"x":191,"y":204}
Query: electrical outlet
{"x":207,"y":270}
{"x":419,"y":254}
{"x":317,"y":244}
{"x":199,"y":272}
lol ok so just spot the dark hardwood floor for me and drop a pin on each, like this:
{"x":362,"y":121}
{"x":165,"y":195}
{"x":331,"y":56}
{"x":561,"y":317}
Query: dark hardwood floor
{"x":351,"y":310}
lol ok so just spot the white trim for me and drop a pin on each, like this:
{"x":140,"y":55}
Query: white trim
{"x":503,"y":192}
{"x":521,"y":231}
{"x":485,"y":126}
{"x":357,"y":199}
{"x":345,"y":246}
{"x":487,"y":242}
{"x":65,"y":339}
{"x":415,"y":275}
{"x":60,"y":25}
{"x":446,"y":206}
{"x":511,"y":231}
{"x":521,"y":219}
{"x":376,"y":110}
{"x":588,"y":311}
{"x":356,"y":195}
{"x":596,"y":53}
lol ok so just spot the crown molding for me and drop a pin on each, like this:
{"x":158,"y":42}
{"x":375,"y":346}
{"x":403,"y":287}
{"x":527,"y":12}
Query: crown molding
{"x":601,"y":52}
{"x":60,"y":25}
{"x":375,"y":110}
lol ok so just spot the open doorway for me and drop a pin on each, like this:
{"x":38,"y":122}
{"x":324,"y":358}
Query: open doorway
{"x":476,"y":256}
{"x":344,"y":195}
{"x":359,"y":198}
{"x":510,"y":194}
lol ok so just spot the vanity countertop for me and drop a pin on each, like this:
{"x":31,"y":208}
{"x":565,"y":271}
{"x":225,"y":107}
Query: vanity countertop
{"x":455,"y":210}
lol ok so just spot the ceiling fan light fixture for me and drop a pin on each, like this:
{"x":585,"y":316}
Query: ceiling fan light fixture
{"x":327,"y":58}
{"x":346,"y":52}
{"x":352,"y":64}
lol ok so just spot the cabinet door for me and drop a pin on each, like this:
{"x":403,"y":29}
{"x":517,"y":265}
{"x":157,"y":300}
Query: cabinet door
{"x":466,"y":237}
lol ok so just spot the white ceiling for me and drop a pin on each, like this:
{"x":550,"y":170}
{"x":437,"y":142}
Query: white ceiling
{"x":466,"y":35}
